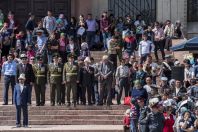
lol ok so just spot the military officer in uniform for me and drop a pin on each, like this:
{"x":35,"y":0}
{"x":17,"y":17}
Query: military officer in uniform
{"x":55,"y":71}
{"x":40,"y":71}
{"x":70,"y":72}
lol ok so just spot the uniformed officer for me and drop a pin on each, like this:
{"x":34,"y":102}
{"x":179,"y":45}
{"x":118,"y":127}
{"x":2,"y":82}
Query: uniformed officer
{"x":55,"y":72}
{"x":70,"y":72}
{"x":40,"y":71}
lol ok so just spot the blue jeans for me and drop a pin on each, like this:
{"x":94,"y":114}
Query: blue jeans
{"x":49,"y":58}
{"x":105,"y":37}
{"x":96,"y":93}
{"x":18,"y":114}
{"x":7,"y":81}
{"x":133,"y":127}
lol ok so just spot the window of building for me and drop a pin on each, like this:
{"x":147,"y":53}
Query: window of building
{"x":192,"y":11}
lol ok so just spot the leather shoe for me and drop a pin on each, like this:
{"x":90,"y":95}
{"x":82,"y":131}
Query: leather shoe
{"x":68,"y":104}
{"x":18,"y":126}
{"x":25,"y":126}
{"x":5,"y":104}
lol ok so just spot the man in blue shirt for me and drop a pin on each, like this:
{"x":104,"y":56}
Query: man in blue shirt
{"x":9,"y":72}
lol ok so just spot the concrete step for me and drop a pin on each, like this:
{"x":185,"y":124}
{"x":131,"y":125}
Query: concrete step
{"x":67,"y":117}
{"x":64,"y":128}
{"x":66,"y":122}
{"x":79,"y":107}
{"x":67,"y":112}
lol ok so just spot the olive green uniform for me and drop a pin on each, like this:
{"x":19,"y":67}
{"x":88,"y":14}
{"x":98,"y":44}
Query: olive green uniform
{"x":55,"y":79}
{"x":70,"y":72}
{"x":40,"y":72}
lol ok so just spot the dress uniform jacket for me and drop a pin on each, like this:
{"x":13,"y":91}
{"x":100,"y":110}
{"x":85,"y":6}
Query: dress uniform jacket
{"x":70,"y":72}
{"x":40,"y":73}
{"x":55,"y":73}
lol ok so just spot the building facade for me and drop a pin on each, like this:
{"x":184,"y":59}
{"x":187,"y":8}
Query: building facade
{"x":161,"y":10}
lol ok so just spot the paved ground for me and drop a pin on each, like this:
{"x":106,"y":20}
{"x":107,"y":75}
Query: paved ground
{"x":64,"y":127}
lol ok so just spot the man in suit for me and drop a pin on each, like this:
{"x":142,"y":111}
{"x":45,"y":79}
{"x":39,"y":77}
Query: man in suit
{"x":55,"y":79}
{"x":26,"y":68}
{"x":40,"y":71}
{"x":106,"y":77}
{"x":86,"y":79}
{"x":21,"y":99}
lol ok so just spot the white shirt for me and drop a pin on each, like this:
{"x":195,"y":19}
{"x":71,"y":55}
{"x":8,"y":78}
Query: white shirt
{"x":21,"y":87}
{"x":188,"y":74}
{"x":122,"y":71}
{"x":145,"y":47}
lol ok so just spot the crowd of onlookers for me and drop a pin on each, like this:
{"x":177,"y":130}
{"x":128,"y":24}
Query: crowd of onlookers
{"x":56,"y":51}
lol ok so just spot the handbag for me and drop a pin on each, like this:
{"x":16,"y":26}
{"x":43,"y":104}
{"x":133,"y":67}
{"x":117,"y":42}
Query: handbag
{"x":127,"y":100}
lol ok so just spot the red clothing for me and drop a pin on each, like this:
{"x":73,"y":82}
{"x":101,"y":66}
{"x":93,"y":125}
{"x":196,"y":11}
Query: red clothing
{"x":130,"y":39}
{"x":169,"y":122}
{"x":126,"y":120}
{"x":30,"y":53}
{"x":104,"y":23}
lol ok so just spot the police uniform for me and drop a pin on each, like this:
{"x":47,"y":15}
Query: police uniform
{"x":40,"y":72}
{"x":70,"y":72}
{"x":55,"y":72}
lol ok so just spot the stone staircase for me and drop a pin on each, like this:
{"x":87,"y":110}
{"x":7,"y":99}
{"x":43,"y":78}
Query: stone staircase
{"x":62,"y":118}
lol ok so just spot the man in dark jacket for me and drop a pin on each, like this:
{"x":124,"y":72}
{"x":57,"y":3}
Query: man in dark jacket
{"x":86,"y":78}
{"x":154,"y":120}
{"x":26,"y":68}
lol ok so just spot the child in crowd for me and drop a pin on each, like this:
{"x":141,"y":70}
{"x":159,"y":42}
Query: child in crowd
{"x":84,"y":52}
{"x":133,"y":116}
{"x":126,"y":121}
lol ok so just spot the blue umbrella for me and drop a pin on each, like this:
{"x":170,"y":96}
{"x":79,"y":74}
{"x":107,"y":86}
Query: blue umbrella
{"x":189,"y":45}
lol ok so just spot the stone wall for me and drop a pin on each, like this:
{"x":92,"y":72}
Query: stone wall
{"x":172,"y":10}
{"x":96,"y":7}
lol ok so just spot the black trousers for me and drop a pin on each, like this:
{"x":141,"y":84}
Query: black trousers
{"x":113,"y":58}
{"x":159,"y":45}
{"x":18,"y":114}
{"x":86,"y":89}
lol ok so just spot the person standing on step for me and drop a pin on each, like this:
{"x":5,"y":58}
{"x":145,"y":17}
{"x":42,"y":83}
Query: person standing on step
{"x":122,"y":80}
{"x":159,"y":40}
{"x":21,"y":99}
{"x":25,"y":68}
{"x":70,"y":73}
{"x":106,"y":77}
{"x":40,"y":71}
{"x":86,"y":79}
{"x":63,"y":85}
{"x":112,"y":50}
{"x":9,"y":73}
{"x":55,"y":71}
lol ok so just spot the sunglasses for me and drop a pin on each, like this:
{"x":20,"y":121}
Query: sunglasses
{"x":24,"y":59}
{"x":32,"y":59}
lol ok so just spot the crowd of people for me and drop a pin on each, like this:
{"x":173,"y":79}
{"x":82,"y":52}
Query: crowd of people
{"x":56,"y":51}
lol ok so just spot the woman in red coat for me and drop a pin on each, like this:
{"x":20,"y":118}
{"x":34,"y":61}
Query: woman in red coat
{"x":169,"y":120}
